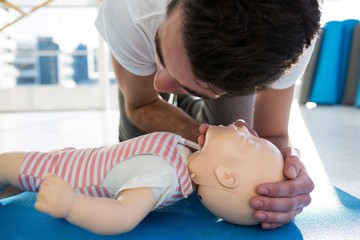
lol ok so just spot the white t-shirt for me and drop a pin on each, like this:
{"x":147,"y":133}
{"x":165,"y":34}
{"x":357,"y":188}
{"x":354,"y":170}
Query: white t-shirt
{"x":129,"y":27}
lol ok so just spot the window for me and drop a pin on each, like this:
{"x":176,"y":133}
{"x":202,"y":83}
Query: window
{"x":54,"y":52}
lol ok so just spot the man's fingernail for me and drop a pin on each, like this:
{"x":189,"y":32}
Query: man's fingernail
{"x":261,"y":217}
{"x":263,"y":191}
{"x":258,"y":204}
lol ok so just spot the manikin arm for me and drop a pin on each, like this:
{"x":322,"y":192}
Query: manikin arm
{"x":98,"y":215}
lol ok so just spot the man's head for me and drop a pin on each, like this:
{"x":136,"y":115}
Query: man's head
{"x":233,"y":46}
{"x":232,"y":163}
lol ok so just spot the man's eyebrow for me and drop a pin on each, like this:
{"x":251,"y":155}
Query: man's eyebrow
{"x":158,"y":48}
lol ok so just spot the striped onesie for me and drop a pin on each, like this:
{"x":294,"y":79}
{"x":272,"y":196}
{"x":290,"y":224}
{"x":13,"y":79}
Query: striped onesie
{"x":87,"y":169}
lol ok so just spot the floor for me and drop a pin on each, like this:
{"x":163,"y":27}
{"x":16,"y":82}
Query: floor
{"x":328,"y":136}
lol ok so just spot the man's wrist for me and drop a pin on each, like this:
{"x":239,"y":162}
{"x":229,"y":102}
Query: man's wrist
{"x":291,"y":150}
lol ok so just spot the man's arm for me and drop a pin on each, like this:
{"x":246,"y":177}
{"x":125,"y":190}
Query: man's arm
{"x":271,"y":115}
{"x":279,"y":203}
{"x":149,"y":112}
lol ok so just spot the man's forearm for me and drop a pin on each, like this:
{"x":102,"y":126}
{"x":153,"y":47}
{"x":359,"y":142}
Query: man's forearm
{"x":280,"y":142}
{"x":161,"y":116}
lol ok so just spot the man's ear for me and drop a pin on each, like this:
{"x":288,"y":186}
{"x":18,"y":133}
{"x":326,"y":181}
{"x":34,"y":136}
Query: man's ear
{"x":226,"y":177}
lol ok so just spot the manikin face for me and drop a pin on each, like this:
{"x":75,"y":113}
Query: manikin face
{"x":232,"y":163}
{"x":174,"y":73}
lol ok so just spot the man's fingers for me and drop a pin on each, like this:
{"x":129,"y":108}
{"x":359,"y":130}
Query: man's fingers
{"x":280,"y":204}
{"x":272,"y":219}
{"x":288,"y":188}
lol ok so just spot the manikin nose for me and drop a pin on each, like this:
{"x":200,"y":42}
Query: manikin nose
{"x":242,"y":123}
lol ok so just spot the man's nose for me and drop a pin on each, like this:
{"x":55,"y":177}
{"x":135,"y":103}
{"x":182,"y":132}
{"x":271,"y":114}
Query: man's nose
{"x":163,"y":82}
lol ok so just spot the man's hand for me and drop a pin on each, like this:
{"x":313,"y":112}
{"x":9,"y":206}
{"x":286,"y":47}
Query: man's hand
{"x":279,"y":203}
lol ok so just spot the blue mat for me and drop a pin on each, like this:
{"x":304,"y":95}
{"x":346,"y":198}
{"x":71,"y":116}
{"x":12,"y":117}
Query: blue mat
{"x":330,"y":75}
{"x":332,"y":215}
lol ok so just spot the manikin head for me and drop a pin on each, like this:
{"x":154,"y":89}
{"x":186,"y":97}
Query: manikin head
{"x":232,"y":163}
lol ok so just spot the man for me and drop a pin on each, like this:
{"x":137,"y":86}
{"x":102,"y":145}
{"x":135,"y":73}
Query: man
{"x":240,"y":59}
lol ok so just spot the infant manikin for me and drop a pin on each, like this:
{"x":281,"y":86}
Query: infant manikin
{"x":122,"y":183}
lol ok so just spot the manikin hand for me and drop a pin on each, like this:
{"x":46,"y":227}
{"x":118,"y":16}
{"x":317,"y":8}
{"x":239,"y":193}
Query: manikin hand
{"x":278,"y":203}
{"x":56,"y":197}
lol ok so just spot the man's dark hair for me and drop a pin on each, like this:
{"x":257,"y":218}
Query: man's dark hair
{"x":243,"y":45}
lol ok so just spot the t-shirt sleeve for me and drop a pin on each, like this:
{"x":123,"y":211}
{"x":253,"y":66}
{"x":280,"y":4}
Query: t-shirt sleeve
{"x":160,"y":185}
{"x":125,"y":41}
{"x":289,"y":78}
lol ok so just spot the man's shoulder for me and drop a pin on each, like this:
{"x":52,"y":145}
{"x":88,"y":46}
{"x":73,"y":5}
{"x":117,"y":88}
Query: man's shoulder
{"x":140,"y":9}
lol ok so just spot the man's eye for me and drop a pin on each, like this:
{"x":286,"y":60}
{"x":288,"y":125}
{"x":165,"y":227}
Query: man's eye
{"x":200,"y":197}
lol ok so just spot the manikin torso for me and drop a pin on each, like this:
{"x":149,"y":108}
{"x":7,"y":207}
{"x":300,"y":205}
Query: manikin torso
{"x":156,"y":160}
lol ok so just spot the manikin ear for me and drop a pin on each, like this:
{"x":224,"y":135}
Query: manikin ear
{"x":226,"y":177}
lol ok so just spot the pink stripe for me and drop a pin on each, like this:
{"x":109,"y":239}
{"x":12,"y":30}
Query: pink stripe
{"x":21,"y":183}
{"x":136,"y":146}
{"x":105,"y":163}
{"x":160,"y":144}
{"x":120,"y":150}
{"x":43,"y":168}
{"x":72,"y":165}
{"x":36,"y":164}
{"x":73,"y":169}
{"x":171,"y":202}
{"x":151,"y":142}
{"x":176,"y":195}
{"x":26,"y":183}
{"x":144,"y":143}
{"x":27,"y":164}
{"x":65,"y":164}
{"x":112,"y":157}
{"x":33,"y":184}
{"x":187,"y":189}
{"x":182,"y":173}
{"x":167,"y":149}
{"x":97,"y":190}
{"x":178,"y":165}
{"x":24,"y":169}
{"x":100,"y":162}
{"x":175,"y":157}
{"x":91,"y":169}
{"x":187,"y":180}
{"x":52,"y":168}
{"x":80,"y":171}
{"x":127,"y":150}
